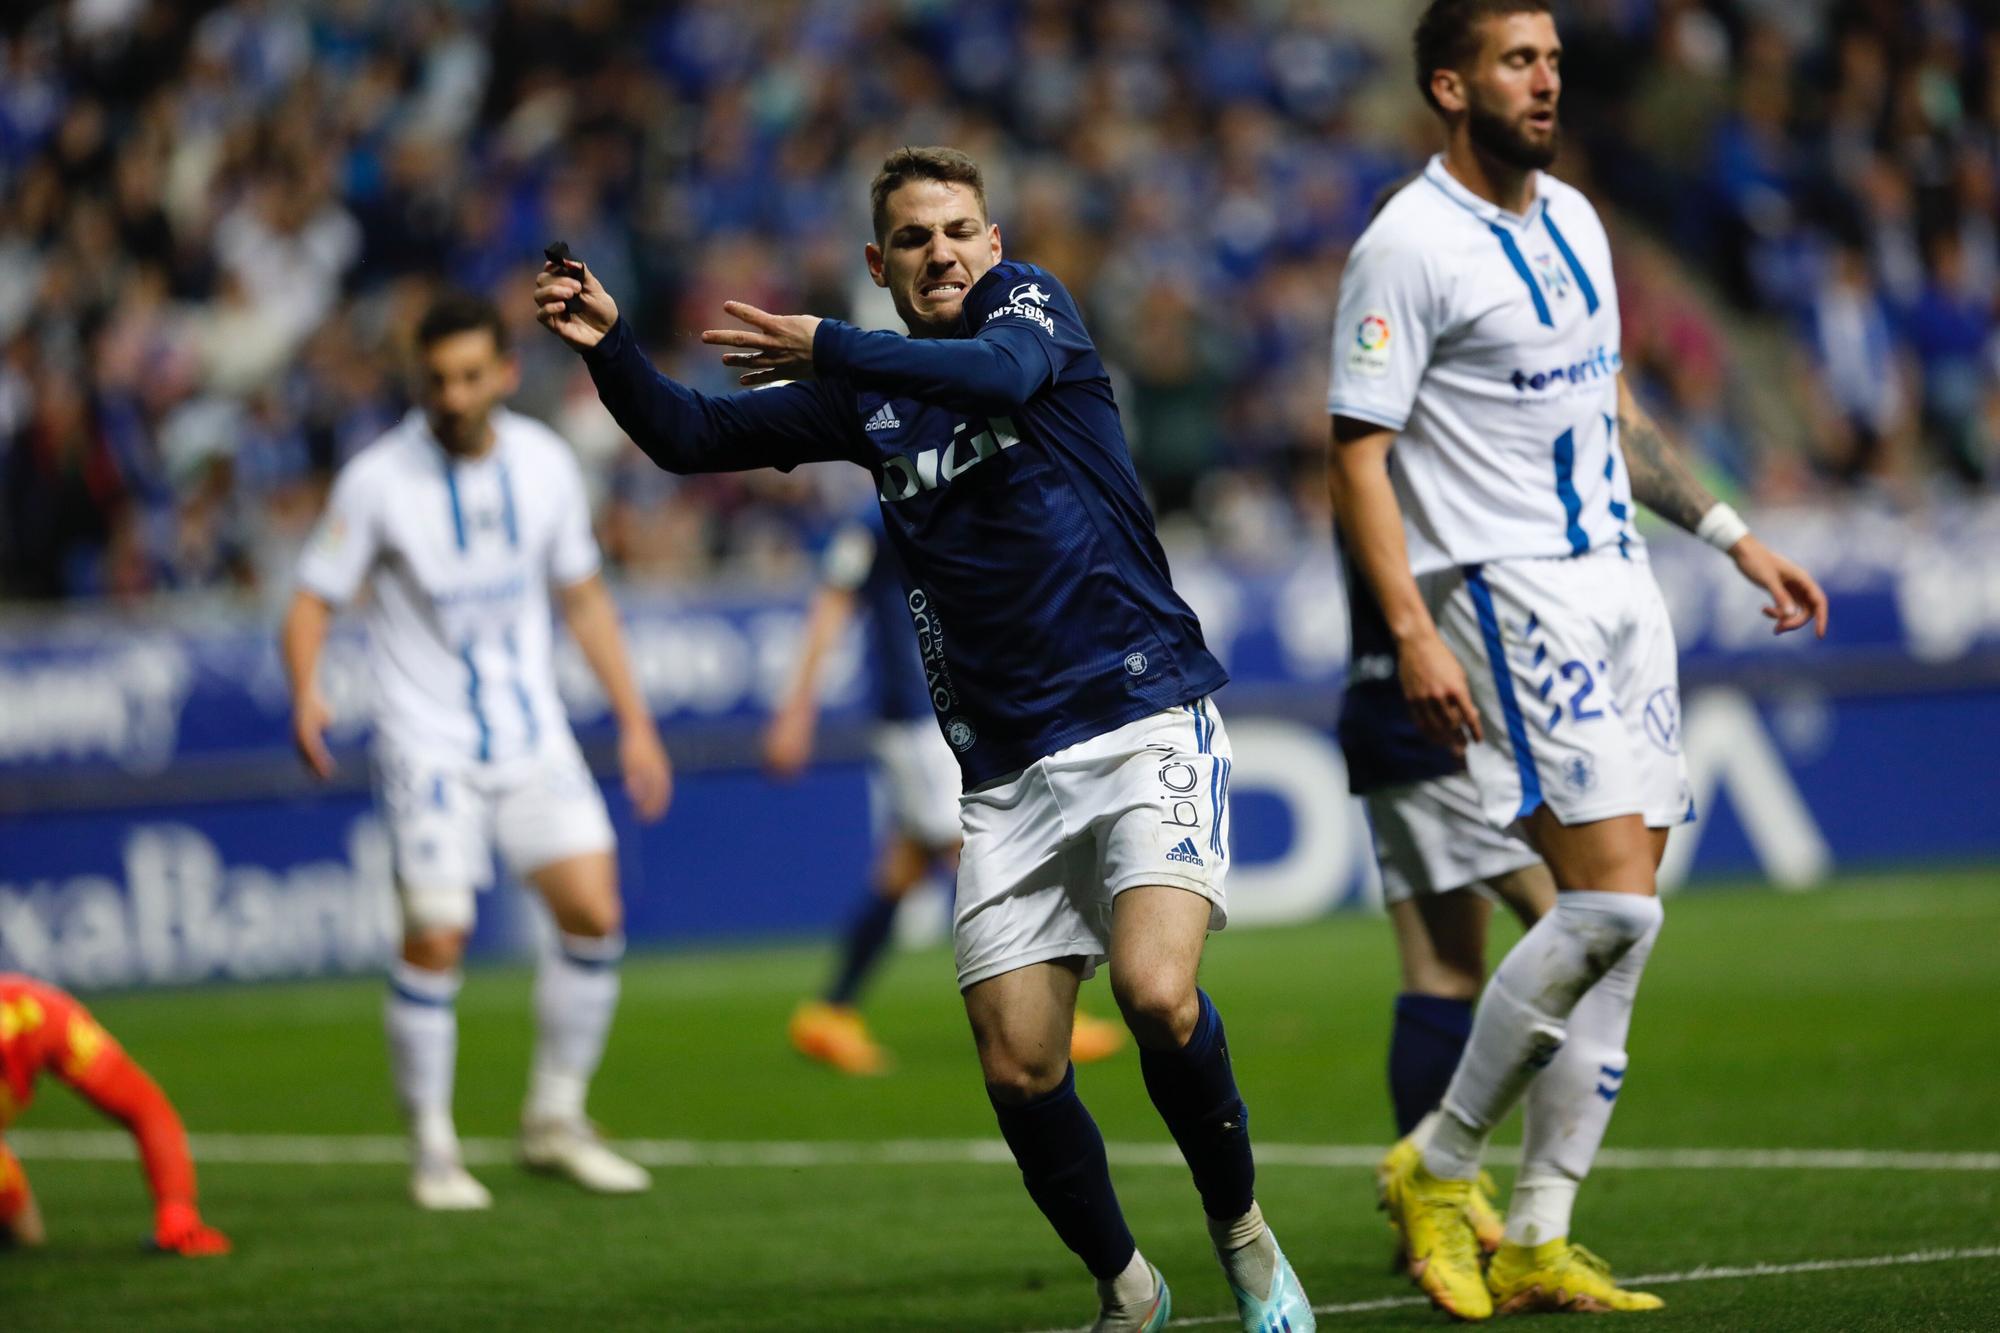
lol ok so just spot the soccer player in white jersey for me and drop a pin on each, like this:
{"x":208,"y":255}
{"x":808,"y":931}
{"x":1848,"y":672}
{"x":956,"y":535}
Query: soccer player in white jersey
{"x":457,"y":523}
{"x":1477,"y":332}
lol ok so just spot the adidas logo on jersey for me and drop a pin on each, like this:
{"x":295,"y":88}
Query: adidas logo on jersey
{"x":1184,"y":851}
{"x":884,"y":419}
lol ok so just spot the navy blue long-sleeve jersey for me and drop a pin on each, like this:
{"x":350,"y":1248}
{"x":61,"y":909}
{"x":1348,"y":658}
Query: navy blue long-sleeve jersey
{"x":1040,"y":597}
{"x":1378,"y":733}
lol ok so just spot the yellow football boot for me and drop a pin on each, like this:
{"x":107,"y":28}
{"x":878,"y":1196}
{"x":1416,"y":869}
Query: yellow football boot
{"x":1487,"y":1223}
{"x":1093,"y":1039}
{"x":1557,"y":1276}
{"x":1428,"y":1216}
{"x":836,"y":1035}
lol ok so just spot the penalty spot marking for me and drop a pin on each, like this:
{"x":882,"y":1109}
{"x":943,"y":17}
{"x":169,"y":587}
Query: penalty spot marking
{"x":393,"y":1150}
{"x":1702,"y":1274}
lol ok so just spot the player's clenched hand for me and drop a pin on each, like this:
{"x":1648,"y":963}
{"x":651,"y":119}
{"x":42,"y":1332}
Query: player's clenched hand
{"x":788,"y":743}
{"x":1795,"y":597}
{"x":594,"y":314}
{"x":178,"y":1229}
{"x":777,"y":347}
{"x":648,"y":773}
{"x":1440,"y":698}
{"x":310,"y":719}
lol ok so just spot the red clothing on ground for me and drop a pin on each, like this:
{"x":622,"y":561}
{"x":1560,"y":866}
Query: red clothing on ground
{"x":43,"y":1029}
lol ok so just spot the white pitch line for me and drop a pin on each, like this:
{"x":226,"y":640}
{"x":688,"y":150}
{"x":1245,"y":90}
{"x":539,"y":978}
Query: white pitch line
{"x":390,"y":1150}
{"x":1703,"y":1274}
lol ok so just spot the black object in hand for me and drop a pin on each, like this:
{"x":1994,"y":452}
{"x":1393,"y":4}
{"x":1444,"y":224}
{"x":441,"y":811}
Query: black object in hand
{"x":557,"y":253}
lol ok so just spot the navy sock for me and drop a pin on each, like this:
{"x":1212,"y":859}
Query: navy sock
{"x":861,"y":948}
{"x":1061,"y":1156}
{"x":1424,"y":1048}
{"x":1194,"y":1091}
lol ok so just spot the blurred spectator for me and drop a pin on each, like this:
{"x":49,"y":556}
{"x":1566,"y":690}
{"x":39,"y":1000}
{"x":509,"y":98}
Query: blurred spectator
{"x":1857,"y":375}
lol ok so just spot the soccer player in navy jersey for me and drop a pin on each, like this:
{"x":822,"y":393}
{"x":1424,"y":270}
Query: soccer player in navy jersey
{"x":1067,"y":675}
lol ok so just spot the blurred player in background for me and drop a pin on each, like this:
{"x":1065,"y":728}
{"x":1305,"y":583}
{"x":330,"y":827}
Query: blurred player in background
{"x":1478,"y":332}
{"x":1442,"y":868}
{"x":1069,"y":677}
{"x":457,"y":523}
{"x":41,"y":1028}
{"x":915,"y":776}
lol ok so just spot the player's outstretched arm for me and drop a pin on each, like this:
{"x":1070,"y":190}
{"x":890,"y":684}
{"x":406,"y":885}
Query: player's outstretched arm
{"x":592,"y":617}
{"x":1371,"y":524}
{"x":1662,"y":482}
{"x":301,"y":640}
{"x":998,"y":371}
{"x":88,"y":1060}
{"x":679,"y":428}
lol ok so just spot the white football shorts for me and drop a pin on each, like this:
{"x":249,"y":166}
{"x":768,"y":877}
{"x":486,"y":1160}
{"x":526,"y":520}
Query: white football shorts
{"x":916,"y":778}
{"x":447,"y":816}
{"x":1571,"y":663}
{"x":1432,"y":837}
{"x":1047,"y":849}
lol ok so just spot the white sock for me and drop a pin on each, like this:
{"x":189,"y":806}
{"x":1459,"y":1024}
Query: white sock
{"x":1131,"y":1290}
{"x":1540,"y":1209}
{"x":1521,"y":1021}
{"x":1567,"y":1108}
{"x":423,"y":1048}
{"x":576,"y":992}
{"x":1247,"y":1250}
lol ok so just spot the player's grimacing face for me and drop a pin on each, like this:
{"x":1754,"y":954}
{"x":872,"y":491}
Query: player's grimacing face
{"x":936,"y":244}
{"x":461,"y":378}
{"x":1512,"y":89}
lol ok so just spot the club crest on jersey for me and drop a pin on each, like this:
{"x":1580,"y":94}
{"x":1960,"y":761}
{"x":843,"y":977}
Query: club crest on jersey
{"x":960,"y":734}
{"x":905,"y":475}
{"x":1135,"y":664}
{"x":1369,"y":353}
{"x":1554,"y":277}
{"x":1580,"y":772}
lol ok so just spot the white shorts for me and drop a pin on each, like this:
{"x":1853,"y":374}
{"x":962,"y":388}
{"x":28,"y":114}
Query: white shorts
{"x":1432,"y":837}
{"x":447,"y":816}
{"x":1571,"y":662}
{"x":917,"y":781}
{"x":1047,"y":849}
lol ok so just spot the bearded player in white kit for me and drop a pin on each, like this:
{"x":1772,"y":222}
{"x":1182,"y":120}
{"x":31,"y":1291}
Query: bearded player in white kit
{"x":1477,"y":332}
{"x":457,"y":523}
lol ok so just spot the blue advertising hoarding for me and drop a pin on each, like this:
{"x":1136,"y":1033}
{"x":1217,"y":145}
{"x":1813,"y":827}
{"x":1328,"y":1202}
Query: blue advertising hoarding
{"x":154,"y":827}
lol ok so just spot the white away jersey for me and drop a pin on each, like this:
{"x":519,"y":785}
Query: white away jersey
{"x":458,"y":556}
{"x":1490,"y":343}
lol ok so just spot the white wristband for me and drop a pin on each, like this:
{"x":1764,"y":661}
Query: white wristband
{"x":1722,"y":527}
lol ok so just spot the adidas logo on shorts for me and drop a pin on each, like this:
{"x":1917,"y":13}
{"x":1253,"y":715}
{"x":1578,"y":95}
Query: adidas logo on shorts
{"x":1185,"y":851}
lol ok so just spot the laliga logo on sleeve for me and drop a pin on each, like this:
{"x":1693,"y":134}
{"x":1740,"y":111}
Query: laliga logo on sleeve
{"x":1370,"y":353}
{"x":1028,"y":291}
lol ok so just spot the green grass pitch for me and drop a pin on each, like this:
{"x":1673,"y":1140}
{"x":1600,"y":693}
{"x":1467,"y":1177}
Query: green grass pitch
{"x":1860,"y":1017}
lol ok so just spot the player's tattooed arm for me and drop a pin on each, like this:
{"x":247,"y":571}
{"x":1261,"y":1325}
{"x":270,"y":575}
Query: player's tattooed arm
{"x":1661,"y":479}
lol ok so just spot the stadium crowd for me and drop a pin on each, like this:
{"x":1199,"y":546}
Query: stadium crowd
{"x":220,"y":219}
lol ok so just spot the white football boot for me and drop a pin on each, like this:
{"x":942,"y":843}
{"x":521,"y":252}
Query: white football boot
{"x":574,"y":1149}
{"x":443,"y":1185}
